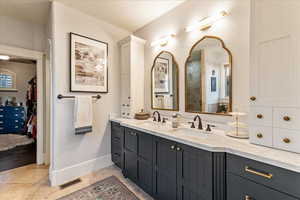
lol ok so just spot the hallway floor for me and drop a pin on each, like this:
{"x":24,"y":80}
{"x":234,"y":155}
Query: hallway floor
{"x":31,"y":183}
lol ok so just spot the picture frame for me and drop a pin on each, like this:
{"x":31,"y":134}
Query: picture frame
{"x":88,"y":64}
{"x":161,"y":76}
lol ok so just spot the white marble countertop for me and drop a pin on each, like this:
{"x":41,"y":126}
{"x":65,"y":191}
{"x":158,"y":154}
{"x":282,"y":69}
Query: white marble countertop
{"x":219,"y":142}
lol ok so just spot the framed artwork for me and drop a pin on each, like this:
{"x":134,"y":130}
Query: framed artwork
{"x":161,"y":75}
{"x":213,"y":84}
{"x":89,"y":72}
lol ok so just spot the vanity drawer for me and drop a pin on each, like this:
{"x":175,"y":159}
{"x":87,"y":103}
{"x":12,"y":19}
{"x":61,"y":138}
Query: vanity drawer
{"x":288,"y":140}
{"x":287,"y":118}
{"x":116,"y":131}
{"x":130,"y":140}
{"x":116,"y":158}
{"x":239,"y":188}
{"x":261,"y":135}
{"x":116,"y":145}
{"x":260,"y":115}
{"x":274,"y":177}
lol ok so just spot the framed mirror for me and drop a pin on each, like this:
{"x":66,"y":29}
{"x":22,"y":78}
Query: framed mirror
{"x":208,"y":77}
{"x":164,"y":82}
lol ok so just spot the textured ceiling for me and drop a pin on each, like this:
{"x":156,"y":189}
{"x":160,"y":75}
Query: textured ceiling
{"x":127,"y":14}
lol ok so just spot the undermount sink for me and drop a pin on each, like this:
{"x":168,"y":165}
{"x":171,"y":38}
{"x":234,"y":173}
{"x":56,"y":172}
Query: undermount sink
{"x":148,"y":123}
{"x":167,"y":127}
{"x":191,"y":132}
{"x":155,"y":125}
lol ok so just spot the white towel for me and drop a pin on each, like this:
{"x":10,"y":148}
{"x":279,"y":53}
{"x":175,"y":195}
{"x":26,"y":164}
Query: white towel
{"x":83,"y":114}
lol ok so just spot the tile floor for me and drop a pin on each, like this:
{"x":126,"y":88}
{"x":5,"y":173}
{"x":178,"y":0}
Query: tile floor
{"x":31,"y":183}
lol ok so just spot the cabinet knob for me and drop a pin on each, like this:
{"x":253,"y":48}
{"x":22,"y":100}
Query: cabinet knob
{"x":259,"y":116}
{"x":132,"y":133}
{"x":253,"y":98}
{"x":286,"y":118}
{"x":178,"y":149}
{"x":286,"y":140}
{"x":248,"y":197}
{"x":172,"y":147}
{"x":259,"y":135}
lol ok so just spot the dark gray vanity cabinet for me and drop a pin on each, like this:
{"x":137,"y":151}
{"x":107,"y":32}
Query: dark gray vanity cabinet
{"x":138,"y":157}
{"x":145,"y":161}
{"x":117,"y":137}
{"x":243,"y":189}
{"x":181,"y":172}
{"x":251,"y":180}
{"x":194,"y":173}
{"x":130,"y":154}
{"x":165,"y":169}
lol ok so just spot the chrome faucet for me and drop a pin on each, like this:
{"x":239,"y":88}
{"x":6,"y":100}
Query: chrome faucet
{"x":200,"y":121}
{"x":158,"y":116}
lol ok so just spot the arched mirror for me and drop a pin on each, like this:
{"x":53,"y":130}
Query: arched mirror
{"x":208,"y":77}
{"x":164,"y":82}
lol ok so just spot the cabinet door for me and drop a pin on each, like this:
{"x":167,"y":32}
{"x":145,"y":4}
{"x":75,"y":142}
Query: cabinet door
{"x":130,"y":140}
{"x":117,"y":133}
{"x":194,"y":173}
{"x":130,"y":165}
{"x":145,"y":176}
{"x":145,"y":150}
{"x":145,"y":160}
{"x":275,"y":62}
{"x":239,"y":188}
{"x":164,"y":173}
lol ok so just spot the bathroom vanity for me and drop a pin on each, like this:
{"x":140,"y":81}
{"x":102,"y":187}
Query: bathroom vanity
{"x":178,"y":164}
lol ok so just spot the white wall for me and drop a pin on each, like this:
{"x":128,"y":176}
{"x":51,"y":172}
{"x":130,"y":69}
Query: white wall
{"x":233,"y":29}
{"x":76,"y":155}
{"x":22,"y":34}
{"x":24,"y":72}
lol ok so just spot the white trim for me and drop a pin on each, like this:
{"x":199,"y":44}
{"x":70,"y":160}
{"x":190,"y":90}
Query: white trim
{"x":131,"y":38}
{"x":62,"y":176}
{"x":38,"y":56}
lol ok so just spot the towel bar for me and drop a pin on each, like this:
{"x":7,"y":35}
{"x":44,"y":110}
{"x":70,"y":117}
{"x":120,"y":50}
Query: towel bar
{"x":60,"y":96}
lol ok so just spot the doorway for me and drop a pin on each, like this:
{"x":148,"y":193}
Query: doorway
{"x":22,"y":101}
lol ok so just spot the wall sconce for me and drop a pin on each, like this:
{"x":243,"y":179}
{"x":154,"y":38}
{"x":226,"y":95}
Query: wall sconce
{"x":207,"y":22}
{"x":4,"y":57}
{"x":163,"y":41}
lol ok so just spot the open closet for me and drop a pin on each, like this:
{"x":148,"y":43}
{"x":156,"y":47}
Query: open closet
{"x":18,"y":112}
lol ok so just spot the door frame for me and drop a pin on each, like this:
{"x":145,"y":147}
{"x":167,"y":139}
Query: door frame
{"x":38,"y":57}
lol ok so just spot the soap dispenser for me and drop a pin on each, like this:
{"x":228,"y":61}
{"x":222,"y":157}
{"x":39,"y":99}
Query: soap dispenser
{"x":175,"y":120}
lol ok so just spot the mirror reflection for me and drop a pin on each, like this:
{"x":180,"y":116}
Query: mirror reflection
{"x":208,"y":77}
{"x":164,"y":78}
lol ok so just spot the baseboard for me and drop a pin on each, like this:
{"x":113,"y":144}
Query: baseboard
{"x":62,"y":176}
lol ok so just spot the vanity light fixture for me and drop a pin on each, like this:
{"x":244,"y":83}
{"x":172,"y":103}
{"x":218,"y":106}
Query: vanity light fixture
{"x":163,"y":41}
{"x":4,"y":57}
{"x":207,"y":22}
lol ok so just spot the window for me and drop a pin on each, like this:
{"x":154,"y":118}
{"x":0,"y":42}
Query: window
{"x":7,"y":80}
